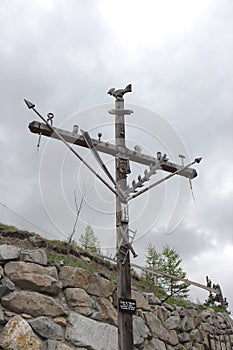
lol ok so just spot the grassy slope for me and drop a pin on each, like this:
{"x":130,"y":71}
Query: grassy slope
{"x":56,"y":252}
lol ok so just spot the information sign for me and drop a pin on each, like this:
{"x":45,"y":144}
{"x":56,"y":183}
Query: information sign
{"x":127,"y":306}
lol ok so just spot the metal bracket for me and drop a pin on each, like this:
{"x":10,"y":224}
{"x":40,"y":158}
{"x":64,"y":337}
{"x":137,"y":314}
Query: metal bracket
{"x":141,"y":180}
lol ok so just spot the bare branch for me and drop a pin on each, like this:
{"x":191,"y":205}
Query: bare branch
{"x":78,"y":207}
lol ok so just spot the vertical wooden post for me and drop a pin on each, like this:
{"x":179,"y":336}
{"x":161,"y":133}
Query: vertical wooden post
{"x":125,"y":321}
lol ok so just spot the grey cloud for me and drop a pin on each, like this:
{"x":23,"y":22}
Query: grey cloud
{"x":64,"y":56}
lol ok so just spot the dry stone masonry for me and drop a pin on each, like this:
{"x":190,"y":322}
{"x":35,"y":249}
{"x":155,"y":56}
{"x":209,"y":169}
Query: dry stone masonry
{"x":42,"y":308}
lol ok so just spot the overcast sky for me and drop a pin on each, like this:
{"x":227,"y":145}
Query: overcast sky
{"x":64,"y":55}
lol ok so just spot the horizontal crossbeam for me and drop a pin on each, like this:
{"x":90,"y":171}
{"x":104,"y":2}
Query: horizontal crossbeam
{"x":111,"y":149}
{"x":160,"y":273}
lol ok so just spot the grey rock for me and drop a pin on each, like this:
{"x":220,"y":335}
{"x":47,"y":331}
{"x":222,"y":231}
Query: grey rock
{"x":79,"y":300}
{"x":182,"y":311}
{"x":188,"y":346}
{"x":180,"y":347}
{"x":105,"y":311}
{"x":197,"y":336}
{"x":55,"y":345}
{"x":158,"y":344}
{"x":192,"y":312}
{"x":1,"y":272}
{"x":33,"y":276}
{"x":9,"y":252}
{"x":2,"y":317}
{"x":197,"y":346}
{"x":206,"y":327}
{"x":91,"y":282}
{"x":60,"y":320}
{"x":184,"y":337}
{"x":156,"y":326}
{"x":18,"y":335}
{"x":99,"y":286}
{"x":84,"y":332}
{"x":141,"y":301}
{"x":173,"y":338}
{"x":46,"y":328}
{"x":140,"y":330}
{"x":37,"y":256}
{"x":172,"y":322}
{"x":216,"y":322}
{"x":152,"y":299}
{"x":9,"y":313}
{"x":32,"y":303}
{"x":206,"y":315}
{"x":169,"y":307}
{"x":220,"y":318}
{"x":175,"y":313}
{"x":6,"y":286}
{"x":187,"y":324}
{"x":148,"y":346}
{"x":159,"y":313}
{"x":74,"y":277}
{"x":166,"y":313}
{"x":85,"y":258}
{"x":169,"y":347}
{"x":162,"y":313}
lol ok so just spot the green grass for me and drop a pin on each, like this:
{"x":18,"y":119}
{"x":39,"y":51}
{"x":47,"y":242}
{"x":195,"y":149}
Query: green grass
{"x":13,"y":229}
{"x":56,"y":251}
{"x":54,"y":258}
{"x":56,"y":243}
{"x":7,"y":228}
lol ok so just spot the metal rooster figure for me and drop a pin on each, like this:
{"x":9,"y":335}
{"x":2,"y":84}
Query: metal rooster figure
{"x":118,"y":94}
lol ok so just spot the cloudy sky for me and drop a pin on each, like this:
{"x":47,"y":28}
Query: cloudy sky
{"x":64,"y":55}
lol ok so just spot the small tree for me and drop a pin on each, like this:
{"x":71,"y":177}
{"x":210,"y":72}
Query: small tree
{"x":215,"y":299}
{"x":171,"y":264}
{"x":89,"y":241}
{"x":153,"y":260}
{"x":168,"y":262}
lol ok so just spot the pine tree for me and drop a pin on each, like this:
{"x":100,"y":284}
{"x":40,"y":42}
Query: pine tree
{"x":153,"y":260}
{"x":89,"y":241}
{"x":215,"y":299}
{"x":171,"y":264}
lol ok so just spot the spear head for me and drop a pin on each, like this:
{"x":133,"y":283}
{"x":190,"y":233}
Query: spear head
{"x":29,"y":104}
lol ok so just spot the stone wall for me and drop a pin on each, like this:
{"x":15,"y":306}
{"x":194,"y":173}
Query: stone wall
{"x":48,"y":308}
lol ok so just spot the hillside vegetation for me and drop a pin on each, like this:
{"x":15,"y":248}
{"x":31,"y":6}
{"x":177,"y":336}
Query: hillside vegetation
{"x":57,"y":255}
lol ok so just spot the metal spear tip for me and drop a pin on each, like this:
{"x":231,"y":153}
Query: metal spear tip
{"x":29,"y":104}
{"x":197,"y":160}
